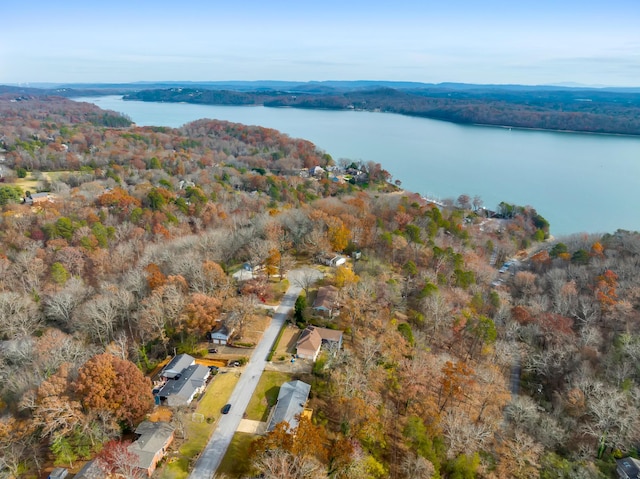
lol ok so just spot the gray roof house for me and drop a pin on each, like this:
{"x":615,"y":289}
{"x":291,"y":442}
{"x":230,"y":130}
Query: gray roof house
{"x":152,"y":444}
{"x":178,"y":364}
{"x":628,"y":468}
{"x":58,"y":473}
{"x":181,"y":390}
{"x":221,"y":334}
{"x":292,"y":397}
{"x":91,"y":470}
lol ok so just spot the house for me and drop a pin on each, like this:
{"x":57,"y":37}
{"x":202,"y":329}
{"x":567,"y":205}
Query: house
{"x":35,"y":198}
{"x":175,"y":367}
{"x":326,"y":300}
{"x":331,"y":259}
{"x":91,"y":470}
{"x":292,"y":398}
{"x":221,"y":334}
{"x":152,"y":444}
{"x":58,"y":473}
{"x":317,"y":171}
{"x":312,"y":338}
{"x":628,"y":468}
{"x":183,"y":387}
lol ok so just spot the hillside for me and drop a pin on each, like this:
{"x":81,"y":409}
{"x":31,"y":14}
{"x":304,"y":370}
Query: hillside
{"x":585,"y":110}
{"x":473,"y":347}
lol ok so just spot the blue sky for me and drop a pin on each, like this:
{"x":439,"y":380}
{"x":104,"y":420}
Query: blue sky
{"x":591,"y":42}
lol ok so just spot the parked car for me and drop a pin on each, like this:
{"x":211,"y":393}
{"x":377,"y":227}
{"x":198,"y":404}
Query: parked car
{"x":234,"y":364}
{"x":226,"y":409}
{"x":213,"y":350}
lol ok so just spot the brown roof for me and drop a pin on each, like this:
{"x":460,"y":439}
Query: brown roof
{"x":309,"y":340}
{"x":326,"y":298}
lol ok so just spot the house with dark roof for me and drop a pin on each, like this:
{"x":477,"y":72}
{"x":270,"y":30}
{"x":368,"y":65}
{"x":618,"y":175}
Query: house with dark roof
{"x":178,"y":364}
{"x":221,"y":334}
{"x":313,"y":338}
{"x":91,"y":470}
{"x":58,"y":473}
{"x":628,"y":468}
{"x":35,"y":198}
{"x":152,"y":444}
{"x":326,"y":300}
{"x":184,"y":386}
{"x":292,"y":398}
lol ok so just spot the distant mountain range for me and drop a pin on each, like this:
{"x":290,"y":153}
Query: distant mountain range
{"x":313,"y":86}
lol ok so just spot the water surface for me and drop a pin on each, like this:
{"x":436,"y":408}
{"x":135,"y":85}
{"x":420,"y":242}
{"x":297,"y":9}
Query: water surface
{"x":579,"y":182}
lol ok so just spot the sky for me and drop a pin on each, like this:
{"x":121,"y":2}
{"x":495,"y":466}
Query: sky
{"x":589,"y":42}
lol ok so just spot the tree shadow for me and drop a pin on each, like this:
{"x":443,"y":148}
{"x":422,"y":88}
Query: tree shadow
{"x":271,"y":396}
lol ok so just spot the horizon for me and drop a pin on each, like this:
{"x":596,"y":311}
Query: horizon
{"x":497,"y":43}
{"x":568,"y":84}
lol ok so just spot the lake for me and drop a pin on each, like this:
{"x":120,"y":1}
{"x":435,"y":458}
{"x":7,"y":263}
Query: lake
{"x":579,"y":182}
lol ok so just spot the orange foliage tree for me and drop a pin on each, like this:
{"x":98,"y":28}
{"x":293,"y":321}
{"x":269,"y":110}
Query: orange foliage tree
{"x":108,"y":383}
{"x":200,"y":314}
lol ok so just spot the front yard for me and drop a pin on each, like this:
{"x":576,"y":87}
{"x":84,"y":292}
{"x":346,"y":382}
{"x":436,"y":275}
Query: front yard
{"x":265,"y":395}
{"x":235,"y":462}
{"x":197,"y":433}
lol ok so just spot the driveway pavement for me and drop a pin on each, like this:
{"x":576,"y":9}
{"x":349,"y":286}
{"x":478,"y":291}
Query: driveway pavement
{"x":216,"y":448}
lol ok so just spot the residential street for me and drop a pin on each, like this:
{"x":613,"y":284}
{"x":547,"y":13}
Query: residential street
{"x":216,"y":448}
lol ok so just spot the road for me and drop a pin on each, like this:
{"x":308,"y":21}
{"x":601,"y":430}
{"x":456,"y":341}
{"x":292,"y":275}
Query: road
{"x":216,"y":448}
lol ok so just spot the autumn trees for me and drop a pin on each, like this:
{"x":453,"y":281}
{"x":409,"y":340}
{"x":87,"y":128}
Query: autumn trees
{"x":135,"y":258}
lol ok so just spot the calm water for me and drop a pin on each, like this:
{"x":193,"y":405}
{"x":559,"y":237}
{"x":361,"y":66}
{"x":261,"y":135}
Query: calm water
{"x":579,"y":182}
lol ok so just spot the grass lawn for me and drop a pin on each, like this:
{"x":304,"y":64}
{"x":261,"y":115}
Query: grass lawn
{"x":235,"y":462}
{"x":216,"y":396}
{"x":279,"y":288}
{"x":266,"y":394}
{"x":27,"y":184}
{"x":30,"y":183}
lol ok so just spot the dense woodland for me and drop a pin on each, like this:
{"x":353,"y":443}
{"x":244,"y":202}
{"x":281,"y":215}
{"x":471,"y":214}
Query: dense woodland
{"x":587,"y":110}
{"x":445,"y":373}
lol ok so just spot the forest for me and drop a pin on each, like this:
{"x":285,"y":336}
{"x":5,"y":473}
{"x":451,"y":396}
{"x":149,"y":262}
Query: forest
{"x":474,"y":347}
{"x":583,"y":110}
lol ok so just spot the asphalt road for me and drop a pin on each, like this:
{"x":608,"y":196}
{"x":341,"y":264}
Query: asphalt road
{"x":216,"y":448}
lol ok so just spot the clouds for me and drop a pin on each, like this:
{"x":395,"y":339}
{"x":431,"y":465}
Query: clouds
{"x":493,"y":41}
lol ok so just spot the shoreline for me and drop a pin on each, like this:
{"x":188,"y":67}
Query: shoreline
{"x":506,"y":127}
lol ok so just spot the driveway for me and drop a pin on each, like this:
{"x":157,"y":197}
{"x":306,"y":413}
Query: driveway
{"x":216,"y":448}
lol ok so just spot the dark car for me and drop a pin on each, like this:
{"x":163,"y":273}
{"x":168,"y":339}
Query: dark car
{"x":213,"y":350}
{"x":226,"y":408}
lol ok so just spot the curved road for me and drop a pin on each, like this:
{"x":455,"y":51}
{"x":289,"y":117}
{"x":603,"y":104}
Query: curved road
{"x":216,"y":448}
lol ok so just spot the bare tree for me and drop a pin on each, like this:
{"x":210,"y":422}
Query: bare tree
{"x":281,"y":464}
{"x":306,"y":278}
{"x":416,"y":467}
{"x":59,"y":306}
{"x":19,"y":315}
